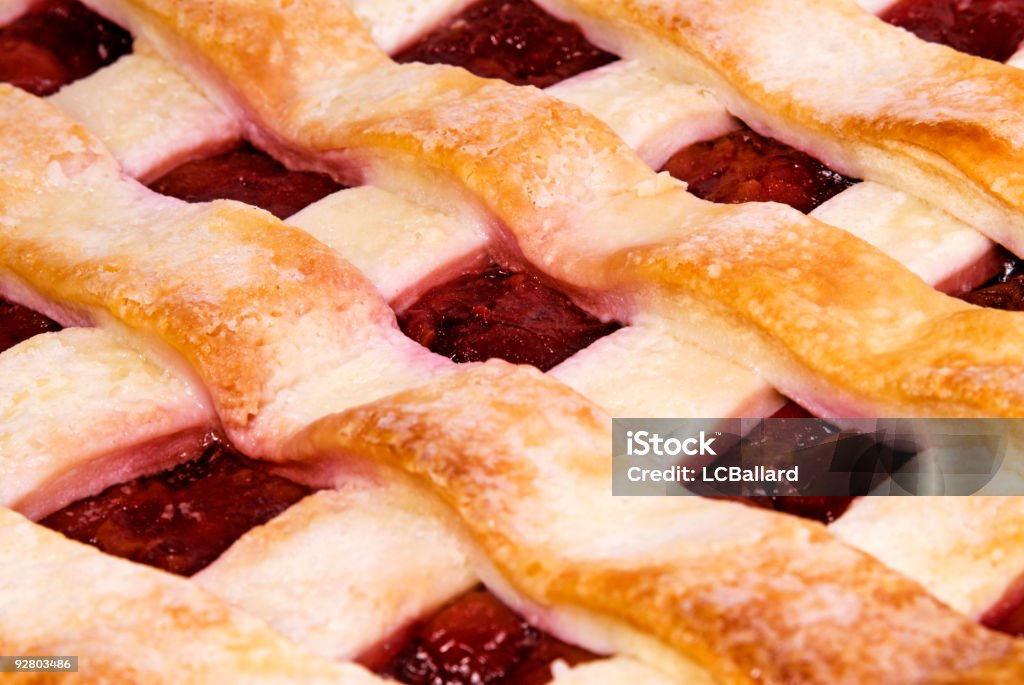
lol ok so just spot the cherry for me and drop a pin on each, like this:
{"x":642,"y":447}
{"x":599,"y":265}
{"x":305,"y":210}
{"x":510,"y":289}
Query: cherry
{"x":512,"y":40}
{"x":496,"y":313}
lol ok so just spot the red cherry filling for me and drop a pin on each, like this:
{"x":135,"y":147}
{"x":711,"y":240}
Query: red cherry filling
{"x":57,"y":42}
{"x":1007,"y":616}
{"x":182,"y":519}
{"x":799,"y":433}
{"x":475,"y":640}
{"x":1004,"y":294}
{"x":19,"y":323}
{"x":792,"y":410}
{"x":744,"y":166}
{"x":512,"y":40}
{"x":1006,"y":291}
{"x":247,"y":175}
{"x":495,"y":313}
{"x":824,"y":509}
{"x":992,"y":29}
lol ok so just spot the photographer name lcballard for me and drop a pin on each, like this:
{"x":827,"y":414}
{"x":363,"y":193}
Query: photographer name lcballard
{"x":713,"y":474}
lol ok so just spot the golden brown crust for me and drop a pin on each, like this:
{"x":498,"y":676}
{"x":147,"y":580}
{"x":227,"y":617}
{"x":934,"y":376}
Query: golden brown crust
{"x":341,"y":571}
{"x":749,"y":595}
{"x":572,"y":195}
{"x":139,"y":415}
{"x":132,"y":624}
{"x":227,"y":286}
{"x":966,"y":551}
{"x":880,"y":339}
{"x":582,"y":208}
{"x":527,"y":156}
{"x":828,"y":77}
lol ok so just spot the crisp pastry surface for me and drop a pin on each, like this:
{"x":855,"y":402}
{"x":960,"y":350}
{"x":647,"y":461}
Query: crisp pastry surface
{"x":305,"y":366}
{"x":134,"y":409}
{"x":134,"y":624}
{"x":126,"y":104}
{"x":381,"y":539}
{"x":943,"y":251}
{"x":491,"y":478}
{"x":869,"y":98}
{"x":948,"y":543}
{"x":93,"y":240}
{"x":556,"y":183}
{"x":678,"y":581}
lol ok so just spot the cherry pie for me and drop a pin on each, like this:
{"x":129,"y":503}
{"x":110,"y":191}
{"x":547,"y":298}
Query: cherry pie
{"x":310,"y":345}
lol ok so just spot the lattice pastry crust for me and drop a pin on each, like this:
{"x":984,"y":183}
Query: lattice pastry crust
{"x":220,"y":310}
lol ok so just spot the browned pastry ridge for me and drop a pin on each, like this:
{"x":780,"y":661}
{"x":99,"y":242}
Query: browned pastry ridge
{"x":871,"y":99}
{"x":787,"y":289}
{"x":258,"y":309}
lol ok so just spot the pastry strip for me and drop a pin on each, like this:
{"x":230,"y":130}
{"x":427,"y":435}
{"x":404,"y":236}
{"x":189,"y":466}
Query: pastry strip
{"x":265,"y":314}
{"x":870,"y":99}
{"x":359,"y":563}
{"x":615,"y":572}
{"x":582,"y":208}
{"x":133,"y":624}
{"x":746,"y":393}
{"x":72,"y":228}
{"x":965,"y":550}
{"x":657,"y":114}
{"x":129,"y":106}
{"x":81,"y":409}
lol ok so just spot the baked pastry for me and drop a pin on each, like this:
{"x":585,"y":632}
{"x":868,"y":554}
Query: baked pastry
{"x":195,"y":325}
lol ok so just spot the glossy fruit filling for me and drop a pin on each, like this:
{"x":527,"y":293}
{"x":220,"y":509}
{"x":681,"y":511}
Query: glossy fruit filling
{"x":1005,"y":291}
{"x":474,"y":640}
{"x":1007,"y":616}
{"x":57,"y":42}
{"x":512,"y":40}
{"x":180,"y":520}
{"x":744,"y":166}
{"x":247,"y":175}
{"x":500,"y":314}
{"x":861,"y":454}
{"x":183,"y":519}
{"x":786,"y":427}
{"x":992,"y":29}
{"x":19,"y":323}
